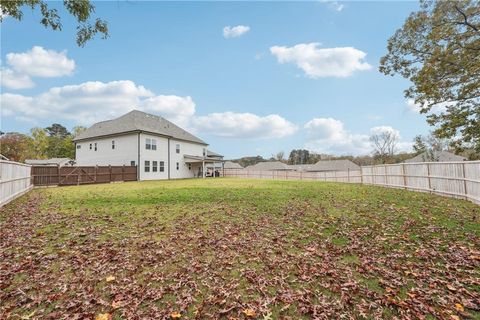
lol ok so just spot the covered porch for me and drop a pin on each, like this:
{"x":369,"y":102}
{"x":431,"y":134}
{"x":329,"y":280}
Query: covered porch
{"x":204,"y":167}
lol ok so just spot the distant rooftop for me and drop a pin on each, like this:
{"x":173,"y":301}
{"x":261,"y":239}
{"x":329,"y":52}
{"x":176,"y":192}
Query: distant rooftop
{"x":232,"y":165}
{"x":436,"y":156}
{"x":269,"y":166}
{"x":136,"y":121}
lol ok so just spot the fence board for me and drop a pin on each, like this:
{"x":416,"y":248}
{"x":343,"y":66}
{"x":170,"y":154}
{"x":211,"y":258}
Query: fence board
{"x":15,"y":180}
{"x":76,"y":175}
{"x":454,"y":179}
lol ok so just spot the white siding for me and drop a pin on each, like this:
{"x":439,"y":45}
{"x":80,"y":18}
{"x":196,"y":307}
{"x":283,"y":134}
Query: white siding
{"x":161,"y":154}
{"x":125,"y":151}
{"x":186,"y":148}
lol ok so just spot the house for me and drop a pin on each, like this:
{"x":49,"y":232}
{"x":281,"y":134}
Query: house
{"x":269,"y":166}
{"x":232,"y":165}
{"x":436,"y":156}
{"x":326,"y":165}
{"x":159,"y":148}
{"x":60,"y":162}
{"x":214,"y":168}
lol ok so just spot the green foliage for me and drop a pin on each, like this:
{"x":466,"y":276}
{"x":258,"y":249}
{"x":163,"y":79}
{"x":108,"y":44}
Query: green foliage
{"x":438,"y":50}
{"x":81,"y":10}
{"x":38,"y":143}
{"x":299,"y":156}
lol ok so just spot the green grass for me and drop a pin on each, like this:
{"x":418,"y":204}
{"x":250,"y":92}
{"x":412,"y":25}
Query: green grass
{"x":216,"y":247}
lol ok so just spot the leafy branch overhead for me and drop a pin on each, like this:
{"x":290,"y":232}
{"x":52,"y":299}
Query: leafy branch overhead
{"x":82,"y":10}
{"x":438,"y":50}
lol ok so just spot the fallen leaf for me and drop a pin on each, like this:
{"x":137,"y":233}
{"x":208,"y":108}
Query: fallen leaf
{"x":453,"y":317}
{"x":459,"y":307}
{"x":103,"y":316}
{"x":110,"y":278}
{"x":451,"y":288}
{"x":175,"y":315}
{"x":249,"y":313}
{"x":268,"y":316}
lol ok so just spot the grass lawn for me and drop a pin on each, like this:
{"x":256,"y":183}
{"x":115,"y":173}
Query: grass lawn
{"x":237,"y":249}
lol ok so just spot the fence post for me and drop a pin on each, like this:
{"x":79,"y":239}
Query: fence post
{"x":428,"y":175}
{"x":96,"y":167}
{"x":123,"y":173}
{"x":110,"y":170}
{"x":385,"y":175}
{"x":348,"y":175}
{"x":404,"y":177}
{"x":361,"y":175}
{"x":78,"y":177}
{"x":464,"y":181}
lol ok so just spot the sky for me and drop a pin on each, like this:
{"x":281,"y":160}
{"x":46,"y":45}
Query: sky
{"x":249,"y":78}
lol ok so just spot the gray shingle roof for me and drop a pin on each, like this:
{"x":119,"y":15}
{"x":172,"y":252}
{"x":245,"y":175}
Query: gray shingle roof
{"x":48,"y":162}
{"x":440,"y":156}
{"x":213,"y":154}
{"x":268,"y":166}
{"x":232,"y":165}
{"x":138,"y":121}
{"x":327,"y":165}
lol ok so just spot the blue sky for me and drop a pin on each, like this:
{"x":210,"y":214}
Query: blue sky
{"x":301,"y":75}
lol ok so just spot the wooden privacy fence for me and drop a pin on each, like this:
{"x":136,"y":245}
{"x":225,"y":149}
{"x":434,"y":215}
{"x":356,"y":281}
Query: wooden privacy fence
{"x":454,"y":179}
{"x":76,"y":175}
{"x":15,"y":180}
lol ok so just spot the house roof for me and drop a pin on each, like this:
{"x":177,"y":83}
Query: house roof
{"x":48,"y":162}
{"x":327,"y":165}
{"x":232,"y":165}
{"x":213,"y":154}
{"x":336,"y":165}
{"x":437,"y":156}
{"x":135,"y":121}
{"x":269,"y":166}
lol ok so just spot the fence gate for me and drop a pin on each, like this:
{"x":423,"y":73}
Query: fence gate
{"x":76,"y":175}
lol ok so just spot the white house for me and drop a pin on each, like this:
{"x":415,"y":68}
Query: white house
{"x":159,"y":148}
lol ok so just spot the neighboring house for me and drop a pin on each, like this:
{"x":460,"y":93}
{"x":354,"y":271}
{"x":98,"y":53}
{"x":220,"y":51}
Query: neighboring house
{"x":436,"y":156}
{"x":327,"y":165}
{"x":159,"y":148}
{"x":60,"y":162}
{"x":232,"y":165}
{"x":269,"y":166}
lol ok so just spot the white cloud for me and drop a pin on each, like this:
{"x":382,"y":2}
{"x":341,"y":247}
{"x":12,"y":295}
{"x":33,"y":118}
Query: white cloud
{"x":438,"y":108}
{"x":13,"y":80}
{"x":334,"y":5}
{"x":327,"y":62}
{"x":90,"y":102}
{"x":38,"y":62}
{"x":244,"y":125}
{"x":234,"y":32}
{"x":328,"y":135}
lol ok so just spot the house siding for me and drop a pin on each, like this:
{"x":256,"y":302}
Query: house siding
{"x":132,"y":147}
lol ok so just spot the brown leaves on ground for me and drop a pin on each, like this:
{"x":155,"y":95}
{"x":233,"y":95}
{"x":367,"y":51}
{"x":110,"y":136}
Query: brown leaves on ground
{"x":263,"y":254}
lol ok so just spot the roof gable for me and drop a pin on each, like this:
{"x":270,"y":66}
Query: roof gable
{"x":138,"y":121}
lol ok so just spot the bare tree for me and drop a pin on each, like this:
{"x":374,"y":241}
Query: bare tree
{"x":385,"y":144}
{"x":280,"y":156}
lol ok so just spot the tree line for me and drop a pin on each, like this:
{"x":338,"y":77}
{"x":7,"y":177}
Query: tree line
{"x":54,"y":141}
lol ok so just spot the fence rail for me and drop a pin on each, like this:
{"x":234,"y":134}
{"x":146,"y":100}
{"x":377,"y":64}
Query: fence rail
{"x":15,"y":180}
{"x":76,"y":175}
{"x":454,"y":179}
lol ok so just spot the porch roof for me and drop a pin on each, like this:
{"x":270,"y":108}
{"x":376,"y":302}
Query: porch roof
{"x":198,"y":159}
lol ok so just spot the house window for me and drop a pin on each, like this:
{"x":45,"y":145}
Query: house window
{"x":154,"y":166}
{"x":78,"y":146}
{"x":147,"y":166}
{"x":113,"y":144}
{"x":162,"y":166}
{"x":90,"y":146}
{"x":189,"y":166}
{"x":178,"y":165}
{"x":148,"y":144}
{"x":154,"y":144}
{"x":177,"y":148}
{"x":132,"y":163}
{"x":95,"y":146}
{"x":204,"y":152}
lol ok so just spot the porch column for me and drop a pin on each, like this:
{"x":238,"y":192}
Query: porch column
{"x":203,"y":169}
